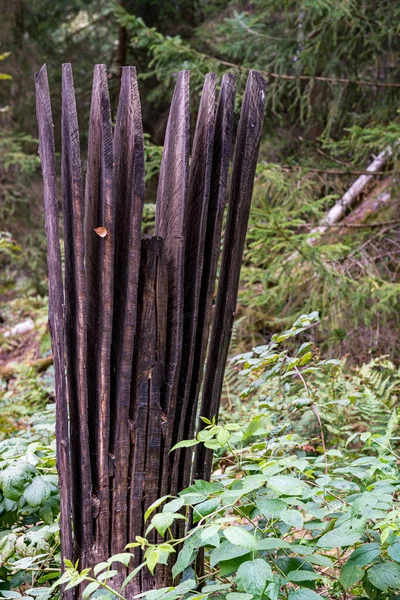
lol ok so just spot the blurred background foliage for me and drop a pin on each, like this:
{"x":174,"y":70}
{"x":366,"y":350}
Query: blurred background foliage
{"x":333,"y":100}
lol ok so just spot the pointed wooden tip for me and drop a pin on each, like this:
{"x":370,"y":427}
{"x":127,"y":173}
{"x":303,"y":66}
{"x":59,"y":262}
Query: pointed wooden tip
{"x":256,"y":82}
{"x":41,"y":75}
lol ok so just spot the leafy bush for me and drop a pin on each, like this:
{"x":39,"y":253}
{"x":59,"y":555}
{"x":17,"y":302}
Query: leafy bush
{"x":285,"y":516}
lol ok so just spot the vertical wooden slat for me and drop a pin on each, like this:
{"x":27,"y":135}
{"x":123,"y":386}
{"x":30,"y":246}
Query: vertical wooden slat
{"x":241,"y":188}
{"x":195,"y":230}
{"x":75,"y":317}
{"x":170,"y":218}
{"x":129,"y":197}
{"x":56,"y":301}
{"x":99,"y":261}
{"x":219,"y":177}
{"x":147,"y":383}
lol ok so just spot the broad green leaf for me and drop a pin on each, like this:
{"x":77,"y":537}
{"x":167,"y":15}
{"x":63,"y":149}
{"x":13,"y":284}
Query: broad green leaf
{"x":294,"y":518}
{"x":90,"y":589}
{"x":205,"y":508}
{"x":107,"y":575}
{"x":302,"y":575}
{"x":37,"y":492}
{"x":270,"y":507}
{"x":350,"y":575}
{"x":162,"y":521}
{"x":131,"y":576}
{"x":252,"y":577}
{"x":153,"y":506}
{"x":100,"y":567}
{"x":286,"y":485}
{"x":394,"y":551}
{"x":174,"y":505}
{"x":238,"y":596}
{"x":304,"y":594}
{"x":337,"y":538}
{"x":185,"y":558}
{"x":226,"y":551}
{"x":184,"y":444}
{"x":152,"y":560}
{"x":385,"y":576}
{"x":124,"y":558}
{"x":238,"y":536}
{"x":14,"y":479}
{"x":364,"y":555}
{"x":272,"y":544}
{"x":230,"y":567}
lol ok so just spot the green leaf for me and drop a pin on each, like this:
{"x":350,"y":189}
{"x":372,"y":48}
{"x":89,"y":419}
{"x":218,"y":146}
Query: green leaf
{"x":304,"y":594}
{"x":286,"y":485}
{"x":385,"y":575}
{"x":10,"y":594}
{"x":90,"y":589}
{"x":272,"y":544}
{"x":239,"y":596}
{"x":185,"y":558}
{"x":394,"y":551}
{"x":205,"y":508}
{"x":174,"y":505}
{"x":226,"y":551}
{"x":294,"y":518}
{"x":153,"y":506}
{"x":152,"y":560}
{"x":252,"y":576}
{"x":238,"y":536}
{"x":184,"y":444}
{"x":162,"y":521}
{"x":364,"y":555}
{"x":337,"y":538}
{"x":37,"y":492}
{"x":124,"y":558}
{"x":350,"y":575}
{"x":131,"y":576}
{"x":100,"y":567}
{"x":107,"y":575}
{"x":302,"y":575}
{"x":13,"y":479}
{"x":270,"y":507}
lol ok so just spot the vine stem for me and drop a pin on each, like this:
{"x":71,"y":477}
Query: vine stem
{"x":317,"y":415}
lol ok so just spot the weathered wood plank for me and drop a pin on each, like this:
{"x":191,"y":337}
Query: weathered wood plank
{"x":147,"y":383}
{"x":75,"y":317}
{"x":100,"y":266}
{"x":170,"y":219}
{"x":241,"y":188}
{"x":195,"y":231}
{"x":129,"y":198}
{"x":219,"y":177}
{"x":56,"y":301}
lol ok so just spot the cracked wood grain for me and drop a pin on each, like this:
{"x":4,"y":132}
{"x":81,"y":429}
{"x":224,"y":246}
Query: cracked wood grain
{"x":147,"y":384}
{"x":129,"y":198}
{"x":219,"y":177}
{"x":241,"y":188}
{"x":195,"y":232}
{"x":76,"y":318}
{"x":170,"y":219}
{"x":100,"y":270}
{"x":56,"y":301}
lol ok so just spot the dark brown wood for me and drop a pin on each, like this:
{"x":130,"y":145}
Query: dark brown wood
{"x":100,"y":272}
{"x":241,"y":188}
{"x":170,"y":219}
{"x":212,"y":243}
{"x":56,"y":301}
{"x":195,"y":231}
{"x":135,"y":329}
{"x":129,"y":197}
{"x":145,"y":410}
{"x":75,"y":319}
